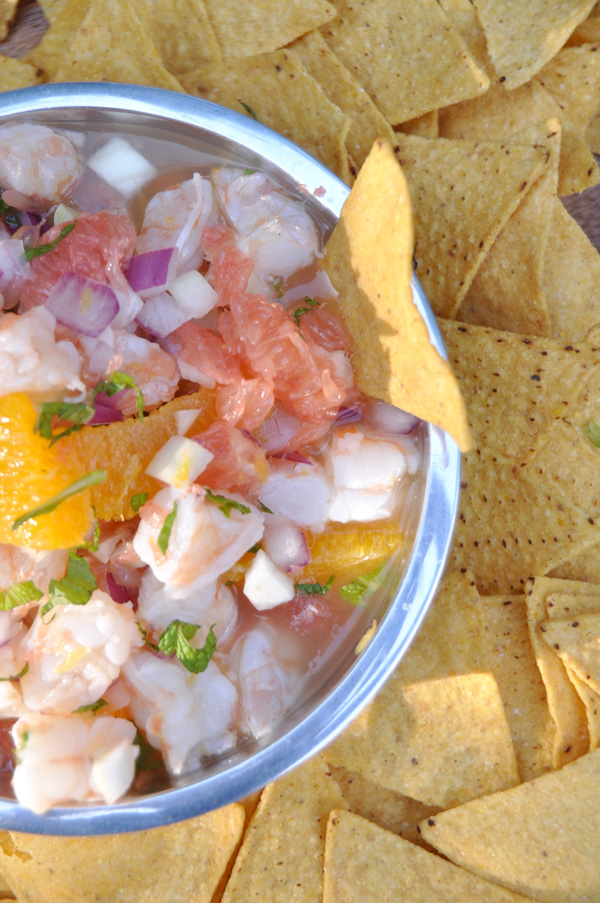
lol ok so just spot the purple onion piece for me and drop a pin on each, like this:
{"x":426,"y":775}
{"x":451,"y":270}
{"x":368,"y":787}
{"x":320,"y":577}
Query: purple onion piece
{"x":105,"y":413}
{"x":296,"y":457}
{"x":348,"y":415}
{"x":86,"y":306}
{"x":28,"y":219}
{"x":119,"y":594}
{"x":152,"y":272}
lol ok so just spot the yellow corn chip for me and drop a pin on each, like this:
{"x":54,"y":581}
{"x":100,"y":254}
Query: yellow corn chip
{"x":122,"y":868}
{"x":586,"y":33}
{"x":571,"y":465}
{"x":8,"y":9}
{"x":583,"y":567}
{"x":277,"y":90}
{"x":383,"y":44}
{"x":51,"y":8}
{"x":181,"y":31}
{"x":281,"y":858}
{"x":368,"y":260}
{"x":539,"y":839}
{"x":112,"y":45}
{"x":366,"y":864}
{"x":522,"y":37}
{"x":520,"y":683}
{"x":247,"y":29}
{"x":591,"y":701}
{"x":17,"y":74}
{"x":426,"y":125}
{"x":462,"y":194}
{"x":565,"y":604}
{"x":52,"y":50}
{"x":464,"y":18}
{"x":417,"y":736}
{"x":577,"y":641}
{"x":572,"y":77}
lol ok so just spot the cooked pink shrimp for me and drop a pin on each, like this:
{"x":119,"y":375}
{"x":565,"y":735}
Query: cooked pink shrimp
{"x":263,"y":685}
{"x":32,"y":361}
{"x":175,"y":219}
{"x":203,"y":542}
{"x":155,"y":372}
{"x":213,"y":605}
{"x":72,"y":757}
{"x":184,"y":715}
{"x":37,"y":162}
{"x":76,"y":653}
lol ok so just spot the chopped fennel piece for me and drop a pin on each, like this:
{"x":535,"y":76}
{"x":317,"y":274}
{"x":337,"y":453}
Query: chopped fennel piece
{"x":194,"y":294}
{"x":179,"y":462}
{"x":265,"y":585}
{"x":185,"y":419}
{"x":122,"y":167}
{"x":64,"y":213}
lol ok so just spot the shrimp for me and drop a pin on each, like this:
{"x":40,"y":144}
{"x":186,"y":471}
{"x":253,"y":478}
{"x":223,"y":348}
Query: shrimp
{"x":18,"y":565}
{"x":38,"y":163}
{"x":299,"y":491}
{"x":184,"y":715}
{"x":203,"y":542}
{"x":32,"y":361}
{"x":273,"y":230}
{"x":155,"y":372}
{"x":74,"y":656}
{"x":14,"y":271}
{"x":214,"y":604}
{"x":72,"y":757}
{"x":263,"y":686}
{"x":175,"y":219}
{"x":12,"y":663}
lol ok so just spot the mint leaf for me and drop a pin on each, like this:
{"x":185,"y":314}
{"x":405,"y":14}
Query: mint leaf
{"x":21,"y":673}
{"x":118,"y":381}
{"x":225,"y":505}
{"x":248,"y":109}
{"x":90,"y":479}
{"x":176,"y":640}
{"x":137,"y":500}
{"x":304,"y":310}
{"x":30,"y":253}
{"x":93,"y":707}
{"x":145,"y":638}
{"x":315,"y":589}
{"x":19,"y":594}
{"x":77,"y":414}
{"x":74,"y":588}
{"x":165,"y":531}
{"x":356,"y":591}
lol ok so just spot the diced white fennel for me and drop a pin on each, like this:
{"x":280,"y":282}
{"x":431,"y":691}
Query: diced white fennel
{"x":64,"y":213}
{"x":121,"y":166}
{"x":194,"y":294}
{"x":265,"y":585}
{"x":184,"y":420}
{"x":179,"y":462}
{"x":263,"y":685}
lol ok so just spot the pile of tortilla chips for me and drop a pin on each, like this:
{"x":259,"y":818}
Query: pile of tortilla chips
{"x":484,"y":746}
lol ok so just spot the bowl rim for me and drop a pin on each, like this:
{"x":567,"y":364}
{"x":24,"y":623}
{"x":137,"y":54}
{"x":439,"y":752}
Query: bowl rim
{"x":433,"y":534}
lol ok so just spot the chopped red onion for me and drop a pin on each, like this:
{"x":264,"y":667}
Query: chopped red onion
{"x":82,"y":304}
{"x":106,"y":409}
{"x":151,"y":273}
{"x":348,"y":415}
{"x":119,"y":594}
{"x":161,"y":315}
{"x":294,"y":456}
{"x":285,"y":543}
{"x":28,"y":219}
{"x":388,"y":420}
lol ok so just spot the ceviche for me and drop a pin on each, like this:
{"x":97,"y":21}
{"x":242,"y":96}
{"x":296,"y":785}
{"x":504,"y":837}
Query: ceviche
{"x":195,"y":498}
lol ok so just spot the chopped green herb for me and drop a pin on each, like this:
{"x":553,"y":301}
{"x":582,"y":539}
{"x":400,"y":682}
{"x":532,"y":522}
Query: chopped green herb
{"x":4,"y":208}
{"x":75,"y":588}
{"x":225,"y":504}
{"x":77,"y":414}
{"x":93,"y":707}
{"x":21,"y":673}
{"x":277,"y":285}
{"x":265,"y":509}
{"x":118,"y":381}
{"x":176,"y":640}
{"x":248,"y":172}
{"x":22,"y":745}
{"x":90,"y":479}
{"x":147,"y":641}
{"x":305,"y":310}
{"x":592,"y":432}
{"x":137,"y":500}
{"x":356,"y":591}
{"x":30,"y":253}
{"x":248,"y":109}
{"x":254,"y":548}
{"x":165,"y":530}
{"x":149,"y":758}
{"x":95,"y":542}
{"x":19,"y":594}
{"x":315,"y":589}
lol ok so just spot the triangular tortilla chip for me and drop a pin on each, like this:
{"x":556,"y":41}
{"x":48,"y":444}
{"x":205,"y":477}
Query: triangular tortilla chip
{"x":17,"y":74}
{"x":586,"y":33}
{"x":8,"y":9}
{"x":368,"y":259}
{"x":280,"y":93}
{"x":591,"y":701}
{"x":281,"y":858}
{"x":464,"y":18}
{"x":462,"y":193}
{"x":540,"y":838}
{"x":425,"y":125}
{"x":417,"y":736}
{"x":366,"y":864}
{"x":582,"y":567}
{"x":522,"y":37}
{"x":571,"y":465}
{"x":112,"y":45}
{"x":572,"y":77}
{"x":383,"y":44}
{"x":50,"y":53}
{"x":507,"y":291}
{"x":577,"y":641}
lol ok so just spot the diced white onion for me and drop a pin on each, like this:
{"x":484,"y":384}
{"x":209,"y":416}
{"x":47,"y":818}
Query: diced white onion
{"x":265,"y":585}
{"x":194,"y":294}
{"x":122,"y":167}
{"x":179,"y":462}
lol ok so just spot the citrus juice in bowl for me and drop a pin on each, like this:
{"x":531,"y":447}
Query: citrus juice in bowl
{"x":216,"y":548}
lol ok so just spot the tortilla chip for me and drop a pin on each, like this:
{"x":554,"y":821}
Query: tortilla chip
{"x":586,"y":33}
{"x":386,"y":808}
{"x":577,"y":641}
{"x":571,"y":278}
{"x":522,"y":37}
{"x":247,"y":29}
{"x":181,"y":31}
{"x":501,"y":113}
{"x":507,"y":291}
{"x":122,"y":868}
{"x":572,"y":77}
{"x":384,"y":44}
{"x":426,"y":125}
{"x":592,"y":135}
{"x":540,"y":839}
{"x":517,"y":387}
{"x":366,"y":122}
{"x":584,"y":567}
{"x":8,"y":10}
{"x":462,"y":193}
{"x":51,"y":8}
{"x":17,"y":74}
{"x":571,"y":465}
{"x":366,"y":864}
{"x":565,"y":604}
{"x":591,"y":701}
{"x":437,"y":731}
{"x":368,"y":259}
{"x":50,"y":53}
{"x":112,"y":45}
{"x":520,"y":683}
{"x":281,"y":858}
{"x":280,"y":93}
{"x":565,"y":706}
{"x":464,"y":18}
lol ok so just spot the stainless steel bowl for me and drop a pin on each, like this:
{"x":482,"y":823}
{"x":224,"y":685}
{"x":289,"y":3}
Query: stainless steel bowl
{"x":399,"y":607}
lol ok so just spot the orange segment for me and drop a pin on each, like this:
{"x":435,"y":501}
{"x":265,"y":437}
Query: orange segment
{"x":31,"y":472}
{"x":351,"y":551}
{"x":125,"y":449}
